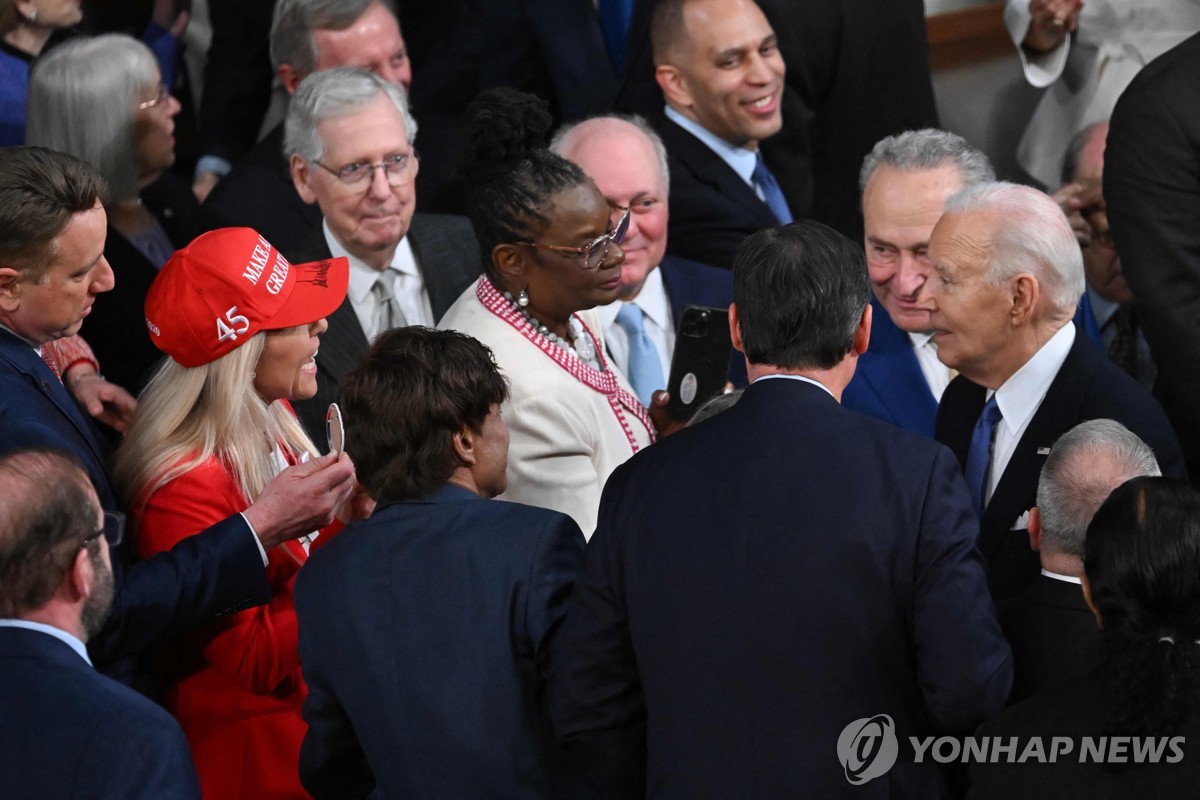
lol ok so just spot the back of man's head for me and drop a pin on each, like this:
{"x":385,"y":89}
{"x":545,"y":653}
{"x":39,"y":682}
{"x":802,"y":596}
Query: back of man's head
{"x":46,"y":511}
{"x":404,"y":403}
{"x":1084,"y":466}
{"x":40,"y":190}
{"x":293,"y":24}
{"x":800,"y":291}
{"x":927,"y":148}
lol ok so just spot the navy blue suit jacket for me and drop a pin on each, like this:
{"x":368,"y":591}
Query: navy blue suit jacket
{"x":424,"y":635}
{"x":1088,"y":386}
{"x":66,"y":731}
{"x":729,"y":623}
{"x":218,"y":572}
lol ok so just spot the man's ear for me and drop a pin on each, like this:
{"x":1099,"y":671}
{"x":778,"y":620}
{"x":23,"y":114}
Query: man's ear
{"x":735,"y":328}
{"x":1035,"y":529}
{"x":1025,"y":295}
{"x":674,"y":86}
{"x":289,"y":78}
{"x":10,"y":289}
{"x":301,"y":174}
{"x":81,"y":577}
{"x":1087,"y":598}
{"x":464,"y":446}
{"x":862,"y":334}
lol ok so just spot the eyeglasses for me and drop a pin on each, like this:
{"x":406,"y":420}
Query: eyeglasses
{"x":395,"y":168}
{"x":595,"y":251}
{"x":113,"y":530}
{"x":163,"y":94}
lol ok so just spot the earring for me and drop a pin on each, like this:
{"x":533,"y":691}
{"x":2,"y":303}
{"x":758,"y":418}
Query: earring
{"x":33,"y":15}
{"x":253,"y":376}
{"x":522,"y":298}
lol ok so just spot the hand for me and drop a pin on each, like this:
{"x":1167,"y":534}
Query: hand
{"x":165,"y":16}
{"x":1051,"y":21}
{"x":1076,"y":199}
{"x":360,"y":505}
{"x":204,"y":183}
{"x":105,"y":401}
{"x":664,"y":423}
{"x":301,"y":499}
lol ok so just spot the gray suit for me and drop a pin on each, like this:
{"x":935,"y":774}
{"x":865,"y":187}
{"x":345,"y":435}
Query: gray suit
{"x":448,"y":258}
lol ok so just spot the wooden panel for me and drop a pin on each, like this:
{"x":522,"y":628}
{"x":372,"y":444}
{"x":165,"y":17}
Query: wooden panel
{"x":968,"y":36}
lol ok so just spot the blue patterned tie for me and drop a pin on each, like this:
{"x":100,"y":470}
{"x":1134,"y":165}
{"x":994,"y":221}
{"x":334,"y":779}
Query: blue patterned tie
{"x":979,"y":456}
{"x":765,"y":182}
{"x":645,"y":371}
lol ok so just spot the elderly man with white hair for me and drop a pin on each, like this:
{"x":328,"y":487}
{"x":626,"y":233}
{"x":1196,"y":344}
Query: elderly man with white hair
{"x":1007,"y":276}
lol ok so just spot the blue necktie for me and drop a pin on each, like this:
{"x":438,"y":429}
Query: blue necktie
{"x":979,"y":456}
{"x":765,"y":182}
{"x":615,"y":16}
{"x":645,"y":371}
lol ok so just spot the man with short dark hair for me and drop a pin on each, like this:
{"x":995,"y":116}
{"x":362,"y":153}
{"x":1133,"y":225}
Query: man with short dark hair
{"x":68,"y":731}
{"x":1050,"y":627}
{"x":721,"y":74}
{"x":425,"y":630}
{"x":729,"y":623}
{"x":52,"y":266}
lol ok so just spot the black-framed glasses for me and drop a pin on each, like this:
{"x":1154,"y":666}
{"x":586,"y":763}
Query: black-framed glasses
{"x":113,"y":530}
{"x":162,"y":95}
{"x":397,"y":170}
{"x":595,"y":251}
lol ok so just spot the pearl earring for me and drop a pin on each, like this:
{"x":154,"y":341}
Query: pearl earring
{"x":33,"y":15}
{"x":522,"y":298}
{"x":253,"y":376}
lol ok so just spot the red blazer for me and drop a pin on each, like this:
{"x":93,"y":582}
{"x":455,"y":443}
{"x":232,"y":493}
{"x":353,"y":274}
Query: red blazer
{"x":234,"y":685}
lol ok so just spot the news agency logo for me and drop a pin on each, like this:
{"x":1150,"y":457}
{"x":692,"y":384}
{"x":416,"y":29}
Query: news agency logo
{"x":868,"y":748}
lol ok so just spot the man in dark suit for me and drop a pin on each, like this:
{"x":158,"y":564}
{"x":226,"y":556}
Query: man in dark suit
{"x":721,"y":75}
{"x":714,"y":577}
{"x":69,"y":732}
{"x":51,"y":269}
{"x":1007,"y":278}
{"x":628,"y":163}
{"x":405,"y":269}
{"x":1152,"y":188}
{"x":1052,"y":631}
{"x":306,"y":36}
{"x":906,"y":180}
{"x":443,"y":697}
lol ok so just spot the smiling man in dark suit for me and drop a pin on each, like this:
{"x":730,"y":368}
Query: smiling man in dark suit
{"x":721,"y":74}
{"x":1007,"y":278}
{"x":350,"y":137}
{"x":730,"y":621}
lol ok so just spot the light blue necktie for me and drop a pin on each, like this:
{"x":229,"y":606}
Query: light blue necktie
{"x":765,"y":182}
{"x":645,"y":371}
{"x":979,"y":456}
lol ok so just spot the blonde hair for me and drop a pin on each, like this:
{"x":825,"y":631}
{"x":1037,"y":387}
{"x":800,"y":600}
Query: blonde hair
{"x":187,"y":415}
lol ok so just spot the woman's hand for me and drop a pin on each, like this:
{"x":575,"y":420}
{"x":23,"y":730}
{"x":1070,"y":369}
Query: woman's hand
{"x":1051,"y":21}
{"x":664,"y":423}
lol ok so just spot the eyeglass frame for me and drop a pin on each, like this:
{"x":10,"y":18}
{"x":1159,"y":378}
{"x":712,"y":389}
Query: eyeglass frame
{"x":358,"y":183}
{"x":607,"y":239}
{"x":164,"y":92}
{"x":113,"y":530}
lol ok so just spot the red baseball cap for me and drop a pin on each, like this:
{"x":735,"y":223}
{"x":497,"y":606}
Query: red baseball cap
{"x":229,"y":284}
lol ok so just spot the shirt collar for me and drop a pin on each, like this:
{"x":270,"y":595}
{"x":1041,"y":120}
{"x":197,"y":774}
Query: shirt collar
{"x":920,"y":339}
{"x":362,"y":275}
{"x":739,"y":159}
{"x":651,"y":299}
{"x":795,"y":378}
{"x":1102,"y":309}
{"x":1021,"y":394}
{"x":58,"y":633}
{"x":1063,"y":578}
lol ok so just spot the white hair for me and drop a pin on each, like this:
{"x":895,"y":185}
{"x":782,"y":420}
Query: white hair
{"x":334,"y":93}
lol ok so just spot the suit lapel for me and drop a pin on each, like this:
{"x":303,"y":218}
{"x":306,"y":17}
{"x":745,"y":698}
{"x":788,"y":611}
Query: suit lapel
{"x":343,"y":344}
{"x":890,"y":369}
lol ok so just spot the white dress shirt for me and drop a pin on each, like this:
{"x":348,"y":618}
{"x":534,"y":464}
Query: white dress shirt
{"x":1063,"y":578}
{"x":794,"y":378}
{"x":408,"y":286}
{"x":936,"y":374}
{"x":58,"y":633}
{"x":660,"y":325}
{"x":1021,"y":395}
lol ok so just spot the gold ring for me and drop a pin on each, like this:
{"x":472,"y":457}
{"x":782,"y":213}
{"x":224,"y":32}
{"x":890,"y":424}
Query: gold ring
{"x":1059,"y":23}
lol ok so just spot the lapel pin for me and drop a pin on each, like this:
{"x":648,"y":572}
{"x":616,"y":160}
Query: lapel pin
{"x":1043,"y":451}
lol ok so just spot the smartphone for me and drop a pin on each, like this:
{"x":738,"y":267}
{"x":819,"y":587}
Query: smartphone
{"x":335,"y":430}
{"x":700,"y":363}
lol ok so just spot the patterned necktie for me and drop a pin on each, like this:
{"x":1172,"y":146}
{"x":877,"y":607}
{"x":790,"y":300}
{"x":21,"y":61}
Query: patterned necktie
{"x":979,"y":456}
{"x":645,"y":371}
{"x":765,"y":182}
{"x":1123,"y":347}
{"x":387,"y":311}
{"x":50,"y":360}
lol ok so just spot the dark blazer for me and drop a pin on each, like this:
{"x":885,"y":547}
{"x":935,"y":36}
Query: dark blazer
{"x":1053,"y":634}
{"x":1076,"y":710}
{"x":157,"y":599}
{"x":258,"y":193}
{"x":68,"y":730}
{"x":116,"y":328}
{"x":424,"y":634}
{"x":729,"y":623}
{"x":1152,"y":188}
{"x":1088,"y":386}
{"x":448,"y":258}
{"x":888,"y":383}
{"x":712,"y":209}
{"x":690,"y":283}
